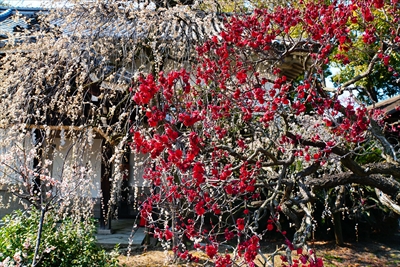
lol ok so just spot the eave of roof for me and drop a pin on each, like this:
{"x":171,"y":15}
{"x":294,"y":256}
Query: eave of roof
{"x":28,"y":12}
{"x":390,"y":105}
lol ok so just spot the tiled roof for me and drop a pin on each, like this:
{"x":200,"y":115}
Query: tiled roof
{"x":180,"y":25}
{"x":8,"y":25}
{"x":14,"y":18}
{"x":177,"y":36}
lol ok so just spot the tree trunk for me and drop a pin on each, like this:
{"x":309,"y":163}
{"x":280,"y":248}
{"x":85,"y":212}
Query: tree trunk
{"x":337,"y":224}
{"x":39,"y":237}
{"x":106,"y":173}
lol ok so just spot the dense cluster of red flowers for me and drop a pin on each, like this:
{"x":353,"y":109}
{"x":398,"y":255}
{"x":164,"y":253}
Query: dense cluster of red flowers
{"x":197,"y":132}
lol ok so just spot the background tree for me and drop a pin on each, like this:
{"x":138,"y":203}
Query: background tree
{"x":382,"y":81}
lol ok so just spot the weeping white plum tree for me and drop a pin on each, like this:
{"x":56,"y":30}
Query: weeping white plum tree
{"x":66,"y":108}
{"x":236,"y":126}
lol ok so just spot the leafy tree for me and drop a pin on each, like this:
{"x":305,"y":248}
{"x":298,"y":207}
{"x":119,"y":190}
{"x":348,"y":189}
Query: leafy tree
{"x":382,"y":81}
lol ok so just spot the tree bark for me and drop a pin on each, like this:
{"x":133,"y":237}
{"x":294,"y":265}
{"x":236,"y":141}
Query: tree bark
{"x":387,"y":185}
{"x":337,"y":221}
{"x":38,"y":237}
{"x":106,"y":172}
{"x":385,"y":200}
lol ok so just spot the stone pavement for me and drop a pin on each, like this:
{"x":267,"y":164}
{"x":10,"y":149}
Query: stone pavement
{"x":123,"y":234}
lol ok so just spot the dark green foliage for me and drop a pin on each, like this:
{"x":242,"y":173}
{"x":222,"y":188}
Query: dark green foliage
{"x":64,"y":243}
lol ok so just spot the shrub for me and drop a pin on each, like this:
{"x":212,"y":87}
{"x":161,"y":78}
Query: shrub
{"x":63,"y":243}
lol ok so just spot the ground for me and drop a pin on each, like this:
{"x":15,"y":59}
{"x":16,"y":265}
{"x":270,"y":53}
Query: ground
{"x":383,"y":252}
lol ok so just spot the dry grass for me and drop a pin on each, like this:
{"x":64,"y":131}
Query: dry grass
{"x":363,"y":254}
{"x":372,"y":254}
{"x":155,"y":258}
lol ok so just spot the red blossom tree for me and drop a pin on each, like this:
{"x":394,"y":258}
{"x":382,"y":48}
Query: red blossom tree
{"x":249,"y":135}
{"x":243,"y":138}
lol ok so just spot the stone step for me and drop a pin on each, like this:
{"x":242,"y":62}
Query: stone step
{"x":124,"y":237}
